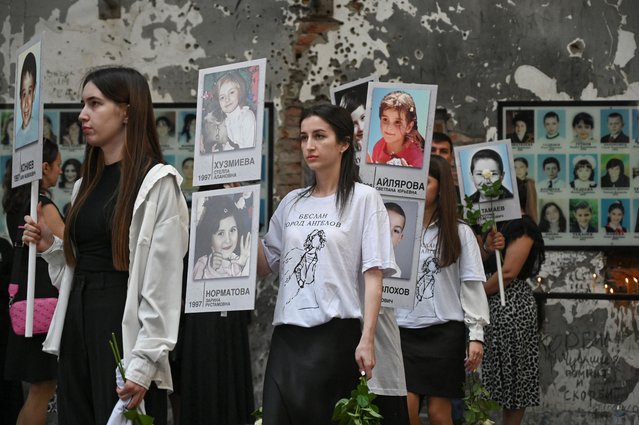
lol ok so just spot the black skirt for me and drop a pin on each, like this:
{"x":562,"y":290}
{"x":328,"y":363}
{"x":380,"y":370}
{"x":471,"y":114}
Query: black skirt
{"x":309,"y":370}
{"x":434,"y":359}
{"x":216,"y":383}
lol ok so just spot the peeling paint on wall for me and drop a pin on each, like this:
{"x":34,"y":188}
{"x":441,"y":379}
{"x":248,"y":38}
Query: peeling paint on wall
{"x":168,"y":40}
{"x":530,"y":78}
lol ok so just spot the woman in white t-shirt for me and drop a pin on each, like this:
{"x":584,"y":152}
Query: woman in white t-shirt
{"x":328,"y":242}
{"x":449,"y":297}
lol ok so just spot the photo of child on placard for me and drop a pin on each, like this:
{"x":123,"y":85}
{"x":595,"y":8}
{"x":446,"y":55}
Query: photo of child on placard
{"x":229,"y":109}
{"x":352,"y":97}
{"x":223,"y":241}
{"x":479,"y":168}
{"x":229,"y":122}
{"x":395,"y":136}
{"x":27,"y":122}
{"x":221,"y":273}
{"x":401,"y":216}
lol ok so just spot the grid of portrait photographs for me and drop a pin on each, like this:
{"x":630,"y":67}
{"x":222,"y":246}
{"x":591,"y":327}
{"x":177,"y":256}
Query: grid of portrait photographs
{"x":583,"y":158}
{"x":175,"y":124}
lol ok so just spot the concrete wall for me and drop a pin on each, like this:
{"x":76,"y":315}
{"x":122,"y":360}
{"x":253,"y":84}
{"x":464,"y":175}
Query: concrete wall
{"x":478,"y":53}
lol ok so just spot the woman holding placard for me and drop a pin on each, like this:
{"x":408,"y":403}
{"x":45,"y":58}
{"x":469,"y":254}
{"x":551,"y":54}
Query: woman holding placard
{"x":510,"y":370}
{"x":319,"y":348}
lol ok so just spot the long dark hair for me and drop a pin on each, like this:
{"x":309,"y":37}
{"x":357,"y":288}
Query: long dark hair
{"x":141,"y":150}
{"x":14,"y":199}
{"x":448,"y":248}
{"x":341,"y":123}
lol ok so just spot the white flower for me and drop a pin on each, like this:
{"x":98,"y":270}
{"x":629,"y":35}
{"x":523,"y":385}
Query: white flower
{"x":487,"y":174}
{"x":487,"y":422}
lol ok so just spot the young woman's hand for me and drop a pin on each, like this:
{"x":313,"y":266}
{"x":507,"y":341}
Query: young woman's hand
{"x":245,"y":249}
{"x":37,"y":233}
{"x":494,"y":240}
{"x":365,"y":357}
{"x":475,"y":356}
{"x":131,"y":391}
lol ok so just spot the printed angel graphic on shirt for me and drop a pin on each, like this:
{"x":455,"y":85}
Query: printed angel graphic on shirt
{"x":303,"y":273}
{"x":426,"y":282}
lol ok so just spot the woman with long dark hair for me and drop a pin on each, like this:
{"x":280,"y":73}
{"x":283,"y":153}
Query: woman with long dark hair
{"x":449,"y":298}
{"x":119,"y":267}
{"x":325,"y":240}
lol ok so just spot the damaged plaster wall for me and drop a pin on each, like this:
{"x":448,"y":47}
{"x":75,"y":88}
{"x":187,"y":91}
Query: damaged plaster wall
{"x":167,"y":40}
{"x":481,"y":52}
{"x":477,"y":52}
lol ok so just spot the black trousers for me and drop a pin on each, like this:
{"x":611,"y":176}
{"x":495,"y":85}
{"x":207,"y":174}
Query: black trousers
{"x":86,"y":379}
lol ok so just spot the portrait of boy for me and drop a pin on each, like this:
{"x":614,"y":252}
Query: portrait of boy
{"x":581,"y":219}
{"x":551,"y":168}
{"x":551,"y":126}
{"x":26,"y":123}
{"x":615,"y":124}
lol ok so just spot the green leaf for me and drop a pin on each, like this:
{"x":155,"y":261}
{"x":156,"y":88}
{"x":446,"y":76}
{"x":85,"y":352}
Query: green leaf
{"x":359,"y":408}
{"x":362,"y":400}
{"x":131,"y":414}
{"x":145,"y":420}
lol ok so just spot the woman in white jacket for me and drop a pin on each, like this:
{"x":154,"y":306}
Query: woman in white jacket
{"x":119,"y":268}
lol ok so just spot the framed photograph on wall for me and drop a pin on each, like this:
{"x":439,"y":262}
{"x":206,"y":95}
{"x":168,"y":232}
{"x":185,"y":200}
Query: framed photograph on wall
{"x":584,"y":160}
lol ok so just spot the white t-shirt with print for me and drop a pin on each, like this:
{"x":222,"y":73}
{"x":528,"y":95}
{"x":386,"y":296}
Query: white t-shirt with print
{"x":438,"y":297}
{"x":321,"y":256}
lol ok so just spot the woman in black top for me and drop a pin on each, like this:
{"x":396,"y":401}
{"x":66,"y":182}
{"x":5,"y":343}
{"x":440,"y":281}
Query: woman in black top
{"x":510,"y":370}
